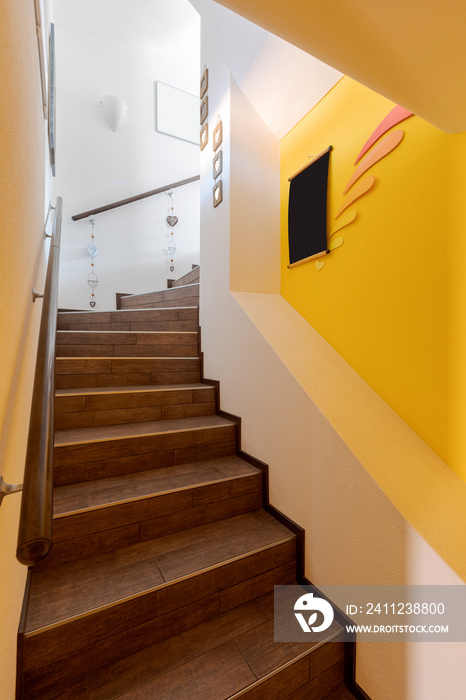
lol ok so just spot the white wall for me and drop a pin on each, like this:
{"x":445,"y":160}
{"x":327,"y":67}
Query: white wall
{"x":298,"y":79}
{"x":354,"y":535}
{"x":96,"y":166}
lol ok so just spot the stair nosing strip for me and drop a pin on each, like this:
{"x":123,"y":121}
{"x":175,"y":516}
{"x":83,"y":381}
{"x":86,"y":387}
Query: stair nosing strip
{"x":130,"y":357}
{"x":134,"y":390}
{"x":151,"y":495}
{"x":281,"y":668}
{"x":160,"y":586}
{"x":143,"y":435}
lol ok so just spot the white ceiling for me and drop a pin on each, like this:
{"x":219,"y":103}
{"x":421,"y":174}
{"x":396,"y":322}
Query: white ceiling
{"x":154,"y":23}
{"x":280,"y":80}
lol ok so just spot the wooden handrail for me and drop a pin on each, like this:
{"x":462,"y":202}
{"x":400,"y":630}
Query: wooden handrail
{"x":35,"y":525}
{"x":136,"y":198}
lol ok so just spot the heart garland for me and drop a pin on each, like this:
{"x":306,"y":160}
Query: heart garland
{"x":172,"y":220}
{"x":92,"y":277}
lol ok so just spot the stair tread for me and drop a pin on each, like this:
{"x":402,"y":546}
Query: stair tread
{"x":103,"y":492}
{"x":127,"y":430}
{"x":85,"y":391}
{"x":85,"y":586}
{"x":218,"y":657}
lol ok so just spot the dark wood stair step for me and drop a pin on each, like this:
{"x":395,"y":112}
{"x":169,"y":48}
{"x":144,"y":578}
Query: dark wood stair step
{"x":121,"y":590}
{"x":189,"y":278}
{"x":79,"y":372}
{"x":187,"y":295}
{"x":224,"y":658}
{"x":127,"y":344}
{"x":221,"y":658}
{"x":86,"y":407}
{"x":86,"y":454}
{"x":184,"y":318}
{"x":95,"y":517}
{"x":168,"y":560}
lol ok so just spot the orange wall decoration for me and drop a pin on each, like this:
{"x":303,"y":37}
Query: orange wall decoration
{"x":382,"y":149}
{"x":361,"y":189}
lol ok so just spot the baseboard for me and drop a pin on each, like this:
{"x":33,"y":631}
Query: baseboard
{"x":264,"y":468}
{"x":350,"y":645}
{"x":21,"y":639}
{"x":342,"y":619}
{"x":234,"y":419}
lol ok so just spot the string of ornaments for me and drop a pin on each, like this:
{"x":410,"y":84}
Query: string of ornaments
{"x":172,"y":220}
{"x":92,"y":280}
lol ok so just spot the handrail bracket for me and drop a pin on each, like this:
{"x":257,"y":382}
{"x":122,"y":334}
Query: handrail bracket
{"x":6,"y":489}
{"x":36,"y":295}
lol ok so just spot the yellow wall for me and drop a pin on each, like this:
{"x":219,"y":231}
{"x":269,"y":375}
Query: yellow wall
{"x":390,"y":298}
{"x":22,"y":172}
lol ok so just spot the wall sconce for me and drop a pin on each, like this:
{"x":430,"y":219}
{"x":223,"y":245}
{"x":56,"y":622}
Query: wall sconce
{"x":115,"y":111}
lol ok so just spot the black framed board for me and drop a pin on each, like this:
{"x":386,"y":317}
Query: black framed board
{"x":307,"y":211}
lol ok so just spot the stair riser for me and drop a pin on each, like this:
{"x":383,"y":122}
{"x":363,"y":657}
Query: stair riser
{"x":131,"y":317}
{"x":106,"y":529}
{"x":77,"y":635}
{"x":181,"y":319}
{"x":126,"y":351}
{"x":176,"y":296}
{"x":143,"y":344}
{"x":170,"y":326}
{"x":190,"y":278}
{"x":283,"y":684}
{"x":166,"y":304}
{"x":105,"y":409}
{"x":98,"y":460}
{"x":82,"y":373}
{"x":319,"y":688}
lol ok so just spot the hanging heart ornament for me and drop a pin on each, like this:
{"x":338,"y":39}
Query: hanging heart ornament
{"x":92,"y":304}
{"x":172,"y":220}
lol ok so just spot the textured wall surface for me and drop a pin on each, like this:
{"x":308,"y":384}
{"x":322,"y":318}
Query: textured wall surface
{"x":22,"y":194}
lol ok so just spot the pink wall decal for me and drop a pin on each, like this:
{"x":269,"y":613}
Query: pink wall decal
{"x":397,"y":115}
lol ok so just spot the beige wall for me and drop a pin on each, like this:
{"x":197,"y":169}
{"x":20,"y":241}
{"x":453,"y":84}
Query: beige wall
{"x":22,"y":188}
{"x":354,"y":533}
{"x":254,"y":200}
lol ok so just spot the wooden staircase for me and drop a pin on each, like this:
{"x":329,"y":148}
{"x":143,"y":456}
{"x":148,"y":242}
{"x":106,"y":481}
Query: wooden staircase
{"x":160,"y":580}
{"x":181,"y":292}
